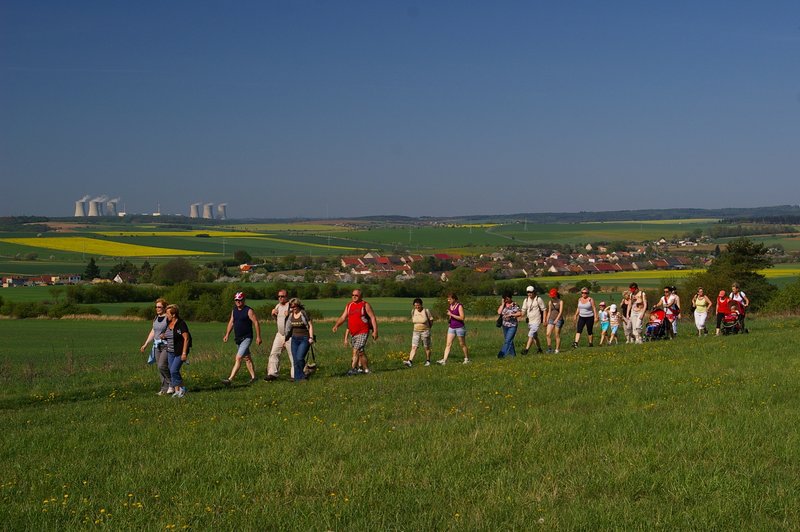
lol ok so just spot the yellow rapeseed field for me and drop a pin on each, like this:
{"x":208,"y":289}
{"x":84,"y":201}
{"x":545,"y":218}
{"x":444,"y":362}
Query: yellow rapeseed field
{"x":95,"y":246}
{"x":224,"y":234}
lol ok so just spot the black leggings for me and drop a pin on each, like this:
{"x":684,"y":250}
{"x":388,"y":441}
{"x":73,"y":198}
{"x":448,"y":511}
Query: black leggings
{"x":588,"y":322}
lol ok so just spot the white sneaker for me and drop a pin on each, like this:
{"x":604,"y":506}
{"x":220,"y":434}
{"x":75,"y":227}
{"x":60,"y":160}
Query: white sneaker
{"x":556,"y":351}
{"x":407,"y":363}
{"x":170,"y":390}
{"x":427,"y":362}
{"x":366,"y":372}
{"x":466,"y":361}
{"x":180,"y":393}
{"x":441,"y":362}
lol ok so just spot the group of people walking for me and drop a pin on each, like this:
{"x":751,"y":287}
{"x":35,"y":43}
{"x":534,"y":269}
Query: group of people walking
{"x":172,"y":341}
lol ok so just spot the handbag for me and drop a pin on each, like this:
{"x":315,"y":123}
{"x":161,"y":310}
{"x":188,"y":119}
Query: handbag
{"x":311,"y":362}
{"x":499,"y":322}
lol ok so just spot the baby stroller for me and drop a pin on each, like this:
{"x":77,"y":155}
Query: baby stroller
{"x":730,"y":321}
{"x":657,"y":326}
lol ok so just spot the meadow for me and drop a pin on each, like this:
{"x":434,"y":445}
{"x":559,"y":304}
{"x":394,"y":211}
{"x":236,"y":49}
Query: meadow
{"x":695,"y":433}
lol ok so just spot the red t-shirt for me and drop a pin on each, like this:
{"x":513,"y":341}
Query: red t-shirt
{"x":356,"y":314}
{"x":723,"y":305}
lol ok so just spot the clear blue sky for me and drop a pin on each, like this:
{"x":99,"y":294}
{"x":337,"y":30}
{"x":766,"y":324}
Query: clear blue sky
{"x":343,"y":108}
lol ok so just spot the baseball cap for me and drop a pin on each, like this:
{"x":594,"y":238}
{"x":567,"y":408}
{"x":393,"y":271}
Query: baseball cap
{"x":612,"y":308}
{"x":530,"y":289}
{"x":553,"y":292}
{"x":239,"y":295}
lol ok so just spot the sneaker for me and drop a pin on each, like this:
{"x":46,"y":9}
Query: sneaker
{"x":226,"y":382}
{"x":252,"y":380}
{"x":180,"y":393}
{"x":590,"y":344}
{"x":441,"y":362}
{"x":500,"y":354}
{"x":351,"y":372}
{"x":270,"y":378}
{"x":550,"y":350}
{"x":427,"y":363}
{"x":359,"y":370}
{"x":161,"y":392}
{"x":466,"y":361}
{"x":539,"y":351}
{"x":366,"y":371}
{"x":407,"y":363}
{"x":575,"y":345}
{"x":170,"y":390}
{"x":556,"y":351}
{"x":525,"y":351}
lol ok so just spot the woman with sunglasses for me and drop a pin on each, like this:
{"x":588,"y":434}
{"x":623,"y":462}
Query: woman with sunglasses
{"x":585,"y":316}
{"x":159,"y":349}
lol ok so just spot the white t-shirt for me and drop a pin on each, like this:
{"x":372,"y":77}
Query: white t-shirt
{"x":534,"y":309}
{"x":283,"y":311}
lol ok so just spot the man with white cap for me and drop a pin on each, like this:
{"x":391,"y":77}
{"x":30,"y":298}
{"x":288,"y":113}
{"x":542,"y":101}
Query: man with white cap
{"x":533,"y":308}
{"x":243,"y":321}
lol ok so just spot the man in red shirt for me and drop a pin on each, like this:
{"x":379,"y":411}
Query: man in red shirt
{"x":360,"y":321}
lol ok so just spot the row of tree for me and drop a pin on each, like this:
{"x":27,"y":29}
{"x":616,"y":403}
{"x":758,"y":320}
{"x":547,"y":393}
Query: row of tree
{"x":739,"y":262}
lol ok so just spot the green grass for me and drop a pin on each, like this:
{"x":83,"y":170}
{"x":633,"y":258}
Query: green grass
{"x":689,"y":434}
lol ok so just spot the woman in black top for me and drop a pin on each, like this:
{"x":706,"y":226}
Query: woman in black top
{"x":178,"y":344}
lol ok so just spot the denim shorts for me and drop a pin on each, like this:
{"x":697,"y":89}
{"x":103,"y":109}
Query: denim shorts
{"x":559,"y":324}
{"x":461,"y":331}
{"x":244,"y":348}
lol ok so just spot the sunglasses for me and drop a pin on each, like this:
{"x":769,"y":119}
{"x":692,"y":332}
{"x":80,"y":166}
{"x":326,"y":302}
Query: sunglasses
{"x":282,"y":297}
{"x":159,"y":306}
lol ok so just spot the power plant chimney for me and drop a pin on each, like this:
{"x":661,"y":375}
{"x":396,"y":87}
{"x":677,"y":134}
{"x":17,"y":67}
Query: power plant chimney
{"x":111,"y":207}
{"x":94,"y":208}
{"x":208,"y":211}
{"x":194,"y":210}
{"x":222,"y":211}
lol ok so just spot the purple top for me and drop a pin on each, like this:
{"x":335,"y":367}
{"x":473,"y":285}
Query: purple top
{"x":454,"y":323}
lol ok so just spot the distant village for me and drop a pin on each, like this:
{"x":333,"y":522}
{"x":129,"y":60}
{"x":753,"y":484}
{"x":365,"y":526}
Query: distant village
{"x":503,"y":264}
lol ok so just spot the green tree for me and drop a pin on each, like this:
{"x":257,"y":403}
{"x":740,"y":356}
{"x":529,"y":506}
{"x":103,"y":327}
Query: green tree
{"x":174,"y":272}
{"x":92,"y":270}
{"x":242,"y":257}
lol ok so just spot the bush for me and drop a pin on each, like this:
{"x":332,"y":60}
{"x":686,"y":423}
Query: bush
{"x":786,"y":300}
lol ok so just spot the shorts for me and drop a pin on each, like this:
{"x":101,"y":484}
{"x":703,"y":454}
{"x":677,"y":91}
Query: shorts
{"x":424,"y":336}
{"x":244,"y":348}
{"x":461,"y":331}
{"x":614,"y":330}
{"x":533,"y":328}
{"x":587,"y":321}
{"x":359,"y":341}
{"x":604,"y":326}
{"x":557,"y":324}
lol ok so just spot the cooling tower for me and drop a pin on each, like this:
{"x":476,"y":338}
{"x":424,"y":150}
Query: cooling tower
{"x":95,"y":208}
{"x":208,"y":211}
{"x":80,"y":209}
{"x":111,"y":207}
{"x":194,"y":210}
{"x":222,"y":211}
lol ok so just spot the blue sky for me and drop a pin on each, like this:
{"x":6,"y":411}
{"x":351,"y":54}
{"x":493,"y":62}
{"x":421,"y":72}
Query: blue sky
{"x":329,"y":109}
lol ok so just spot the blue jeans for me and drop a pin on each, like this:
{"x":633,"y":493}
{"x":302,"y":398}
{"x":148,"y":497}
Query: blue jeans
{"x":508,"y":344}
{"x":300,"y":346}
{"x":175,"y":364}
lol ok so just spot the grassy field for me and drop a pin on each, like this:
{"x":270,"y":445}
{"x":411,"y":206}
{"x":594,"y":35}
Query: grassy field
{"x":689,"y":434}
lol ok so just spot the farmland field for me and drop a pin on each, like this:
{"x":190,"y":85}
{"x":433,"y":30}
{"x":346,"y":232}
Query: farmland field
{"x":693,"y":433}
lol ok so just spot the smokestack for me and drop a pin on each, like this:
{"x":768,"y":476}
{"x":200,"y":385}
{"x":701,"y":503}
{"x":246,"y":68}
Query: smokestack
{"x":111,"y":207}
{"x":208,"y":211}
{"x":80,"y":208}
{"x":222,"y":211}
{"x":194,"y":210}
{"x":94,"y":208}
